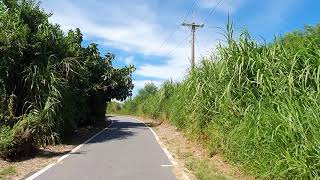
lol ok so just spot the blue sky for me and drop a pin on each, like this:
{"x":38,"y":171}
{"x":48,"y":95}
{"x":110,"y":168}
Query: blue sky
{"x":147,"y":33}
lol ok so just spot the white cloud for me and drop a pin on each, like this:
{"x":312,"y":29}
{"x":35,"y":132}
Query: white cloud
{"x":133,"y":34}
{"x":129,"y":60}
{"x":140,"y":83}
{"x":133,"y":27}
{"x":226,"y":6}
{"x":161,"y":71}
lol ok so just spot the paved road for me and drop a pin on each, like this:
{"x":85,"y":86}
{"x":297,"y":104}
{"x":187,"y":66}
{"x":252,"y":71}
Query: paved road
{"x":126,"y":151}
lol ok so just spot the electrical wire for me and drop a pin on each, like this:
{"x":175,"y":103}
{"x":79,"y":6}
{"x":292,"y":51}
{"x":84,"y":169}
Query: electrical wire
{"x":213,"y":11}
{"x":197,"y":44}
{"x":195,"y":2}
{"x":178,"y":45}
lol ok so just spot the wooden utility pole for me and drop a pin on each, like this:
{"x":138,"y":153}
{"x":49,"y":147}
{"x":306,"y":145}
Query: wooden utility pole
{"x":193,"y":30}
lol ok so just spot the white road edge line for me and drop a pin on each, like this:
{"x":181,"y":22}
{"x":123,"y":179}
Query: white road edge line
{"x":35,"y":175}
{"x":165,"y":150}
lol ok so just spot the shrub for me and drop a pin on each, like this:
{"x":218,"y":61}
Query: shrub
{"x":6,"y":140}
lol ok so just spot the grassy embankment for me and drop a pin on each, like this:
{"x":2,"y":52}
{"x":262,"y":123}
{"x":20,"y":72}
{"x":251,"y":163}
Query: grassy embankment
{"x":256,"y":104}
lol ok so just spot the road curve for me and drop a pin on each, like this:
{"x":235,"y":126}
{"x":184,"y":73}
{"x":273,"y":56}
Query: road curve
{"x":126,"y":151}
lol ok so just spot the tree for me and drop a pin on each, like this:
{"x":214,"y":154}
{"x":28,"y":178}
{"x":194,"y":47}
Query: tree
{"x":49,"y":83}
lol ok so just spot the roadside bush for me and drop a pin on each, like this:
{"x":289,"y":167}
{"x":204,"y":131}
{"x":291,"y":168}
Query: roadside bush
{"x":113,"y":107}
{"x":6,"y":140}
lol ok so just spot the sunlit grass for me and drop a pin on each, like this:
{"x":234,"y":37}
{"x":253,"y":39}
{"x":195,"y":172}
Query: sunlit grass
{"x":4,"y":172}
{"x":203,"y":170}
{"x":258,"y":104}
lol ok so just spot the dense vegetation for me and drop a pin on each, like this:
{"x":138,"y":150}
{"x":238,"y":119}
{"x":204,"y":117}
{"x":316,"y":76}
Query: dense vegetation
{"x":49,"y":82}
{"x":257,"y":104}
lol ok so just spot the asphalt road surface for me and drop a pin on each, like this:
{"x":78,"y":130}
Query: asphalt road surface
{"x":127,"y":151}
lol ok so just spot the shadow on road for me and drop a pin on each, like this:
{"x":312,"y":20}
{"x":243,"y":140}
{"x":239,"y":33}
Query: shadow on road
{"x":118,"y":130}
{"x":49,"y":154}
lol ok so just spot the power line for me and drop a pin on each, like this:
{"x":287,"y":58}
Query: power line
{"x":179,"y":44}
{"x":169,"y":37}
{"x":213,"y":10}
{"x":194,"y":8}
{"x":197,"y":43}
{"x":193,"y":30}
{"x":195,"y":2}
{"x":214,"y":27}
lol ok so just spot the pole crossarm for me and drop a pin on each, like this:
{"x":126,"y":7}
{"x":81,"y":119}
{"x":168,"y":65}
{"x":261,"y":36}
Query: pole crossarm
{"x":193,"y":30}
{"x":192,"y":25}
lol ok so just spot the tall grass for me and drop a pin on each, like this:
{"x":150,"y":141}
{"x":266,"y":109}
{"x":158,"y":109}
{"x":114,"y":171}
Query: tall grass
{"x":257,"y":104}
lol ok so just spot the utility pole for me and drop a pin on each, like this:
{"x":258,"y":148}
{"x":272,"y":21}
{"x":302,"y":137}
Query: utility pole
{"x":193,"y":30}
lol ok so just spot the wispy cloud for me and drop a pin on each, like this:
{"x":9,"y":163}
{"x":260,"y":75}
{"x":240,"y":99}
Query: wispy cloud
{"x":132,"y":36}
{"x":139,"y":27}
{"x":140,"y":83}
{"x":226,"y":6}
{"x":128,"y":33}
{"x":129,"y":60}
